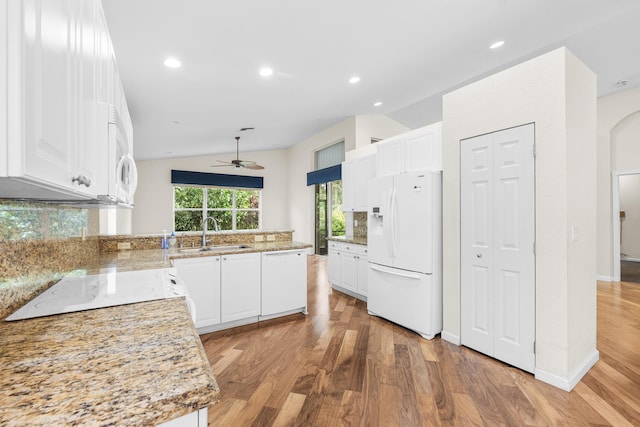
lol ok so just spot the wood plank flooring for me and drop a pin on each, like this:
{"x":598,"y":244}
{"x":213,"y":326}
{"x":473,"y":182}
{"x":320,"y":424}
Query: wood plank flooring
{"x":340,"y":366}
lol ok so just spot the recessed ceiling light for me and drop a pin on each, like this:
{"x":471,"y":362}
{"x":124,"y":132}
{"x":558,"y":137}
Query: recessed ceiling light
{"x":172,"y":63}
{"x":622,"y":83}
{"x":377,"y":104}
{"x":266,"y":72}
{"x":354,"y":80}
{"x":497,"y":44}
{"x":175,"y":123}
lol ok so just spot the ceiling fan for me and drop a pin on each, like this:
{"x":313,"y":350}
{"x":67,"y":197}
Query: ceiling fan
{"x":249,"y":164}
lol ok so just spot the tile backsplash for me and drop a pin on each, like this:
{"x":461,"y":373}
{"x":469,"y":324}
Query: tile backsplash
{"x":360,"y":230}
{"x":39,"y":242}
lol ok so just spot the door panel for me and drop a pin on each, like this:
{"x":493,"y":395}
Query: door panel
{"x":477,"y":239}
{"x":497,"y":238}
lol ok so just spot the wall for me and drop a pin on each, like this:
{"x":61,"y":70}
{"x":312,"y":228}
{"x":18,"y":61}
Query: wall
{"x":557,"y":93}
{"x":354,"y":130}
{"x":618,"y":145}
{"x":630,"y":225}
{"x":153,"y":210}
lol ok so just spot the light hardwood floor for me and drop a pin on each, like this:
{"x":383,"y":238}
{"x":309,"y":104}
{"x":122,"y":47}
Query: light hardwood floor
{"x":340,"y":366}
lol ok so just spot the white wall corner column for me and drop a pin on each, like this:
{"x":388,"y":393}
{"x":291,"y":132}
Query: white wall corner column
{"x":557,"y":93}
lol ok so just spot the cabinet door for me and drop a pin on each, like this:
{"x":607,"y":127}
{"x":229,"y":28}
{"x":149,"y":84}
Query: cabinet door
{"x":349,"y":186}
{"x":87,"y":96}
{"x":335,"y":268}
{"x":201,"y":276}
{"x":363,"y":267}
{"x":284,"y":281}
{"x":240,"y":286}
{"x":49,"y":89}
{"x":365,"y":170}
{"x":349,"y":271}
{"x":390,"y":157}
{"x":423,"y":150}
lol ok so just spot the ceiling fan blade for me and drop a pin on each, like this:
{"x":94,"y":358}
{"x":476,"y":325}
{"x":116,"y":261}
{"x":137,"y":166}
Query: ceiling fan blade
{"x":254,"y":167}
{"x":222,"y":161}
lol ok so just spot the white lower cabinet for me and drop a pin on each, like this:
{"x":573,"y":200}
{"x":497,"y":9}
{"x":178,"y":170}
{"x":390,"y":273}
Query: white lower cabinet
{"x":233,"y":290}
{"x":240,"y":296}
{"x":194,"y":419}
{"x":348,"y":268}
{"x":201,"y":276}
{"x":284,"y":282}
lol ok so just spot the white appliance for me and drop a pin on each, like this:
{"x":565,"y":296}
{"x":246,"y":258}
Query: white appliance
{"x":79,"y":292}
{"x":405,"y":250}
{"x":118,"y":175}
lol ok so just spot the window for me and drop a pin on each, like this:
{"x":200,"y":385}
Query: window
{"x":232,"y":208}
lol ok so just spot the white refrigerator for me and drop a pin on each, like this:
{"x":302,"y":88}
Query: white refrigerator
{"x":404,"y":237}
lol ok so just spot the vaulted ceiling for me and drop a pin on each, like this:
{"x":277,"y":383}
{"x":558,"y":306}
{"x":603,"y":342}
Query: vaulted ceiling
{"x":407,"y":53}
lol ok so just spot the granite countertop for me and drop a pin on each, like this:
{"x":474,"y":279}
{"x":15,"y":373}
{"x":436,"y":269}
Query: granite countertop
{"x":356,"y":240}
{"x":139,"y":364}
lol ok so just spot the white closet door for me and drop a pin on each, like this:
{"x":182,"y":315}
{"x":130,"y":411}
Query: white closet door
{"x":498,"y":294}
{"x":476,"y":250}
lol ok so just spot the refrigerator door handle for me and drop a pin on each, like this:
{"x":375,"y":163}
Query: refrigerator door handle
{"x":394,"y":220}
{"x":389,"y":228}
{"x":394,"y":272}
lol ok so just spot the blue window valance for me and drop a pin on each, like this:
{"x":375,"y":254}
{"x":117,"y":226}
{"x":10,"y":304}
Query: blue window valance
{"x":216,"y":179}
{"x":332,"y":173}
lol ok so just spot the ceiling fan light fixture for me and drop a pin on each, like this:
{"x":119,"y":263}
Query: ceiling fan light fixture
{"x":237,"y":163}
{"x":497,"y":44}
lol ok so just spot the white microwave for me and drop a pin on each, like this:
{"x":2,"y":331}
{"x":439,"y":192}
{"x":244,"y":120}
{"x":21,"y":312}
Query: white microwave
{"x":118,"y":175}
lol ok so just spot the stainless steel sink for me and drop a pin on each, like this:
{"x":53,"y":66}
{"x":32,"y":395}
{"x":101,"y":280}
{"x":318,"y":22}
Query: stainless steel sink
{"x":228,"y":247}
{"x":213,"y":248}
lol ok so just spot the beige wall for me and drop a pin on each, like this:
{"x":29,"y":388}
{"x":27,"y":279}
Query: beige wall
{"x":557,"y":93}
{"x":153,"y":210}
{"x":618,"y":145}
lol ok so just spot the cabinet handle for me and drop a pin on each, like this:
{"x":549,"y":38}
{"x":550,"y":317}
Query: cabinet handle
{"x":82,"y":180}
{"x":479,"y":255}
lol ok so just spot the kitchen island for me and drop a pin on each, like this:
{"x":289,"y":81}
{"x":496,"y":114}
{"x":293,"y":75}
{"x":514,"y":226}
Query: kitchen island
{"x":135,"y":364}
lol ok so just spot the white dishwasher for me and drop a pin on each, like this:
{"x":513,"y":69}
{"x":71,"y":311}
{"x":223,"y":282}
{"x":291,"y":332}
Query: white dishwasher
{"x":284,"y":282}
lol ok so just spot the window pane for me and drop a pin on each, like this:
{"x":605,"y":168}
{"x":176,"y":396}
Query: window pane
{"x":247,"y":220}
{"x":338,"y":221}
{"x":247,"y":199}
{"x":188,"y":220}
{"x":187,"y":197}
{"x":219,"y":198}
{"x":224,"y":219}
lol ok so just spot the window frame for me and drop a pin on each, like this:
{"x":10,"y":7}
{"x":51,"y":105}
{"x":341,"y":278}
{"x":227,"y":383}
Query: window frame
{"x":204,"y":209}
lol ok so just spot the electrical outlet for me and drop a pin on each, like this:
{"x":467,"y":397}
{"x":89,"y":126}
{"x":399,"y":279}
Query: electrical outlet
{"x":259,"y":238}
{"x":124,"y":245}
{"x":271,"y":237}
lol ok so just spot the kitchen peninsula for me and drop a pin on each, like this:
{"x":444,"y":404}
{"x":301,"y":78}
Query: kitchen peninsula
{"x":140,"y":364}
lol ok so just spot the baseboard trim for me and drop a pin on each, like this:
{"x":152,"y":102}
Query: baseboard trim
{"x":604,"y":278}
{"x":449,"y":337}
{"x":567,"y":384}
{"x":630,"y":259}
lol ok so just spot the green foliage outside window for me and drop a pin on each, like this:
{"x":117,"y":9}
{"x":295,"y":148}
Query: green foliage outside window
{"x":226,"y":205}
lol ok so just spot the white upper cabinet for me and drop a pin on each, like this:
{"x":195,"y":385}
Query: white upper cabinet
{"x":58,"y":56}
{"x":418,"y":150}
{"x":356,"y":174}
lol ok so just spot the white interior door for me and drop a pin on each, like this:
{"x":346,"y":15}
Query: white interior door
{"x":497,"y":245}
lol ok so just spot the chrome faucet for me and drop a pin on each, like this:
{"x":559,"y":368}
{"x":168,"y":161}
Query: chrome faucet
{"x":204,"y":229}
